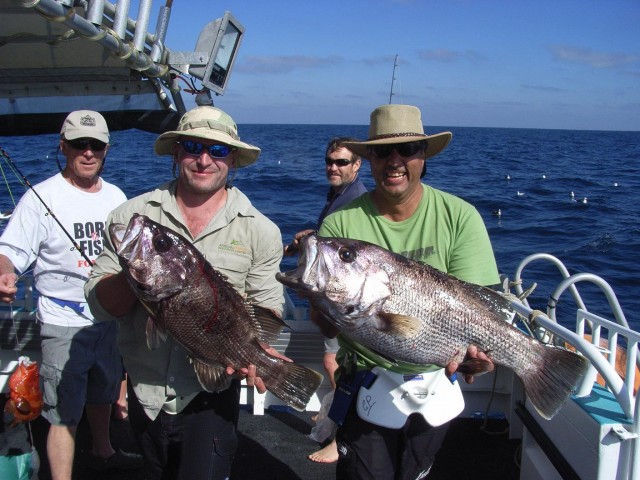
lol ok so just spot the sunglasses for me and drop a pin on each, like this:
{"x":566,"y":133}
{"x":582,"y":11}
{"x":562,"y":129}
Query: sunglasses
{"x":84,"y":143}
{"x":195,"y":148}
{"x":404,"y":149}
{"x":341,"y":162}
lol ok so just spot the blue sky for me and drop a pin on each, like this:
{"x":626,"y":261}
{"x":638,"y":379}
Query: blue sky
{"x":545,"y":64}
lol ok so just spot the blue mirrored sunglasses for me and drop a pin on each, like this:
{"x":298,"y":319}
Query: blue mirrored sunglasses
{"x":195,"y":148}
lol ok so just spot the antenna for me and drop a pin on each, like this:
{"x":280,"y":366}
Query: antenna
{"x":393,"y":76}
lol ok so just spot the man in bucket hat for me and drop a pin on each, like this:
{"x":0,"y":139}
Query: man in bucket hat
{"x":184,"y":431}
{"x":408,"y":217}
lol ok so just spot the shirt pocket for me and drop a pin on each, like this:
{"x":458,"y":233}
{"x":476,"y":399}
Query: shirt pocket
{"x":234,"y":267}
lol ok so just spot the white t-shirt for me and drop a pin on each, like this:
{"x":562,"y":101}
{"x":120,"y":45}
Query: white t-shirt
{"x":60,"y":270}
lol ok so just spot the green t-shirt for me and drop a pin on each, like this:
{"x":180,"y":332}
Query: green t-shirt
{"x":445,"y":232}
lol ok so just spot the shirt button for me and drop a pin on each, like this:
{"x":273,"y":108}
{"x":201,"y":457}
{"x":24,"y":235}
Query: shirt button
{"x":171,"y":379}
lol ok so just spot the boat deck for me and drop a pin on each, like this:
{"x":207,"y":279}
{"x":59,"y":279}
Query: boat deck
{"x":274,"y":446}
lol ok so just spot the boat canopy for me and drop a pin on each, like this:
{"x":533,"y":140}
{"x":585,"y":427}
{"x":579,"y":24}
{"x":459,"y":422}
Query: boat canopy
{"x":62,"y":55}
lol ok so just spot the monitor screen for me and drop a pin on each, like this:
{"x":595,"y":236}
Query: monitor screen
{"x":223,"y":54}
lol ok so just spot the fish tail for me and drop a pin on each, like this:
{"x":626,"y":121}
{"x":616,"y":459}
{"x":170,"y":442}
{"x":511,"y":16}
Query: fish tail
{"x":557,"y":375}
{"x":296,"y":386}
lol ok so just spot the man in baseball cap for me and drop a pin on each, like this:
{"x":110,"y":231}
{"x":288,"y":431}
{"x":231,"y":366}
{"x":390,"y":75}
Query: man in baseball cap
{"x":81,"y":367}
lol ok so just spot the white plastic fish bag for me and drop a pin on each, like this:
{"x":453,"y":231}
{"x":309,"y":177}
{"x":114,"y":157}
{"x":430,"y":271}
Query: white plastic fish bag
{"x":325,"y":428}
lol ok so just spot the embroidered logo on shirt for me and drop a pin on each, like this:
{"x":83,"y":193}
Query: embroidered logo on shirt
{"x":234,"y":246}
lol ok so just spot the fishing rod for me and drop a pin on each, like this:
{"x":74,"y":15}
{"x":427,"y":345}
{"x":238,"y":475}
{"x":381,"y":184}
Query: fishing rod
{"x":6,"y":156}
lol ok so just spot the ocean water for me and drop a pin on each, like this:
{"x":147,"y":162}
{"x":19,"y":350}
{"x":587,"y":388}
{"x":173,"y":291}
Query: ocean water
{"x":525,"y":174}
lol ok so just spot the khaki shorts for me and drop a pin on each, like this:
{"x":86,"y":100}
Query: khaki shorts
{"x":79,"y":365}
{"x":331,"y":345}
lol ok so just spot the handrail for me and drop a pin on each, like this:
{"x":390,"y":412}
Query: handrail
{"x":619,"y":388}
{"x":622,"y":390}
{"x":558,"y":263}
{"x":595,"y":279}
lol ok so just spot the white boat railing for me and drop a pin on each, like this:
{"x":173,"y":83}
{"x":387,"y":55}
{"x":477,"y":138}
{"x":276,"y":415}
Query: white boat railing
{"x":607,"y":339}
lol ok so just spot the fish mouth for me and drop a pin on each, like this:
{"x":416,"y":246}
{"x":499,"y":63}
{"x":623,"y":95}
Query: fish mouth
{"x":125,"y":237}
{"x":129,"y":246}
{"x":305,"y":276}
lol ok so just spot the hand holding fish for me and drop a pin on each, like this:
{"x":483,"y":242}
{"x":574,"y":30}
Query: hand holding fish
{"x":224,"y":334}
{"x":249,"y":373}
{"x":294,"y":246}
{"x":410,"y":312}
{"x":473,"y":354}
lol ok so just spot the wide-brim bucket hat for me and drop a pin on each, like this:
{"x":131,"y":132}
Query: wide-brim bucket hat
{"x":208,"y":123}
{"x":399,"y":124}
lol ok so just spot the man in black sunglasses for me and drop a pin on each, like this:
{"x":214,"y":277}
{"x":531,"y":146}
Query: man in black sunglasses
{"x":408,"y":217}
{"x":81,"y":369}
{"x":185,"y":431}
{"x":341,"y":167}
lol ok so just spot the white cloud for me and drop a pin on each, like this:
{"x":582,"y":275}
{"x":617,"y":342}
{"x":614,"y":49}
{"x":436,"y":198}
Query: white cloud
{"x":592,"y":58}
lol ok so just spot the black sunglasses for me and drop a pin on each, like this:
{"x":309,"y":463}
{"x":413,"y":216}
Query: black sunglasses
{"x":195,"y":148}
{"x":84,"y":143}
{"x":341,"y":162}
{"x":407,"y":149}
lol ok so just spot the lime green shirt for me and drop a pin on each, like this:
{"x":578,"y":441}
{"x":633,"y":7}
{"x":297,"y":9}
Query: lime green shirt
{"x":445,"y":232}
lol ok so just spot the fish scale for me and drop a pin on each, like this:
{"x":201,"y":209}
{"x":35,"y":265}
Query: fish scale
{"x":410,"y":312}
{"x":195,"y":303}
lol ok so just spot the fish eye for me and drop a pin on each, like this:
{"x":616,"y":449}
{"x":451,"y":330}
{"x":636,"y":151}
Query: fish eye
{"x":162,"y":243}
{"x":346,"y":254}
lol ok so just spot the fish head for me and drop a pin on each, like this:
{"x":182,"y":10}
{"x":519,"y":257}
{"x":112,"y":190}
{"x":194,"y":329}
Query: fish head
{"x":156,"y":260}
{"x":345,"y":279}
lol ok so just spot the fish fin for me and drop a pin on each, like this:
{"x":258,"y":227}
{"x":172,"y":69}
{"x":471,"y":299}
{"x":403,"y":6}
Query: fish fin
{"x":475,"y":366}
{"x":296,"y":386}
{"x":554,"y":379}
{"x":267,"y":322}
{"x":213,"y":378}
{"x":400,"y":325}
{"x":155,"y":334}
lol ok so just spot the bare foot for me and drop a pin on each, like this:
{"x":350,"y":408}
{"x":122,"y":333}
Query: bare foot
{"x":328,"y":454}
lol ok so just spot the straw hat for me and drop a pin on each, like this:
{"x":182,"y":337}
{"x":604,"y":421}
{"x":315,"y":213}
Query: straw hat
{"x":398,"y":124}
{"x":208,"y":123}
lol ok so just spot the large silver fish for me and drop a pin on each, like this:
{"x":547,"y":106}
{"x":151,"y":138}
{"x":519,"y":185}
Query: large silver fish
{"x":408,"y":311}
{"x":189,"y":299}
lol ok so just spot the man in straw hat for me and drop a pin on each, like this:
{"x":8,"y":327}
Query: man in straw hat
{"x":408,"y":217}
{"x":184,"y":431}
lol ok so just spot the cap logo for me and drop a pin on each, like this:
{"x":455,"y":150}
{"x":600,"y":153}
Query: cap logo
{"x":87,"y":121}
